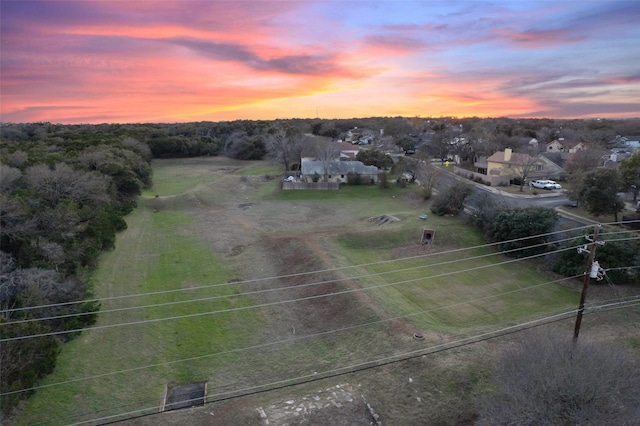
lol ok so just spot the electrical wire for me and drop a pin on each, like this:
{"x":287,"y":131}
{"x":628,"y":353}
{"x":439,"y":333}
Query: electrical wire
{"x":262,"y":305}
{"x":623,"y":231}
{"x":399,"y":270}
{"x":295,"y":381}
{"x":269,"y":290}
{"x":299,"y":380}
{"x":349,"y":369}
{"x":287,"y":341}
{"x":297,"y":274}
{"x":622,"y":239}
{"x":619,"y":223}
{"x":606,"y":307}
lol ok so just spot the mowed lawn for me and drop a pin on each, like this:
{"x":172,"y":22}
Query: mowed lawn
{"x":457,"y":285}
{"x":160,"y":254}
{"x":156,"y":255}
{"x":449,"y":289}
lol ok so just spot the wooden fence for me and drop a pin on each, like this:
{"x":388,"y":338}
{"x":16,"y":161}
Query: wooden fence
{"x":286,"y":185}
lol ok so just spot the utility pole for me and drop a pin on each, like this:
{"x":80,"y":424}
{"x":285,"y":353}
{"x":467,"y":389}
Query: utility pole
{"x":589,"y":272}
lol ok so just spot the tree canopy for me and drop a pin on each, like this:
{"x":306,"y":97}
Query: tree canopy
{"x":452,"y":200}
{"x":528,"y":226}
{"x":547,"y":380}
{"x":64,"y":194}
{"x":373,"y":157}
{"x":630,"y":174}
{"x":598,"y":191}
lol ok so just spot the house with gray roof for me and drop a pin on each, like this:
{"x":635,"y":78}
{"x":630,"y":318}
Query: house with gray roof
{"x":632,"y":143}
{"x":337,"y":171}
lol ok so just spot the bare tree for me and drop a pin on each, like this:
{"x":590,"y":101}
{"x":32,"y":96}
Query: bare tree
{"x":326,"y":151}
{"x":546,"y":135}
{"x":16,"y":219}
{"x":439,"y":146}
{"x":95,"y":157}
{"x":285,"y":146}
{"x":424,"y":173}
{"x":451,"y":200}
{"x":64,"y":182}
{"x":584,"y":160}
{"x":479,"y":140}
{"x":546,"y":380}
{"x":135,"y":145}
{"x":8,"y":177}
{"x":523,"y":165}
{"x":16,"y":158}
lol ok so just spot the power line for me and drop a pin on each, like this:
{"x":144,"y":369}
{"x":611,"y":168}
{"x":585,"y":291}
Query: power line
{"x":262,"y":305}
{"x":623,"y":231}
{"x":623,"y":239}
{"x":619,"y":223}
{"x":399,"y":270}
{"x":281,"y":384}
{"x":296,"y":274}
{"x":354,"y":368}
{"x":481,"y":337}
{"x":297,"y":338}
{"x":387,"y":360}
{"x":349,"y":369}
{"x":286,"y":288}
{"x":619,"y":268}
{"x":633,"y":301}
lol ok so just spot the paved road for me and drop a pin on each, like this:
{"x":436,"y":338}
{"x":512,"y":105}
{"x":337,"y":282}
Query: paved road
{"x":551,"y":199}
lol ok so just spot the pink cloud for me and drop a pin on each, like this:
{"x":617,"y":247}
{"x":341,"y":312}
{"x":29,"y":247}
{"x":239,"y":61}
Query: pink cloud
{"x":174,"y":60}
{"x":536,"y":39}
{"x":624,"y":80}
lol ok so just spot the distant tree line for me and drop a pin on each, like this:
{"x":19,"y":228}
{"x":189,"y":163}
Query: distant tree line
{"x":439,"y":137}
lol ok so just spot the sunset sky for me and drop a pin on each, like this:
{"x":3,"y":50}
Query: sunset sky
{"x":173,"y":61}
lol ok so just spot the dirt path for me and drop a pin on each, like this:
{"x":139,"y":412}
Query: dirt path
{"x":259,"y":239}
{"x":281,"y":241}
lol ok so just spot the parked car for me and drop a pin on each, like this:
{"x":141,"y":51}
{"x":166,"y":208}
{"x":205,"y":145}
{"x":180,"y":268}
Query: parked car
{"x":545,"y":184}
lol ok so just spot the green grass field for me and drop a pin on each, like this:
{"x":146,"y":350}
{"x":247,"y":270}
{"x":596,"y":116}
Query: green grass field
{"x":161,"y":253}
{"x":156,"y":254}
{"x":500,"y":289}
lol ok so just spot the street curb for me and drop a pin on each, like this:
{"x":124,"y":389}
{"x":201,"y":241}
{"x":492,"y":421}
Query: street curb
{"x":497,"y":191}
{"x":575,"y":217}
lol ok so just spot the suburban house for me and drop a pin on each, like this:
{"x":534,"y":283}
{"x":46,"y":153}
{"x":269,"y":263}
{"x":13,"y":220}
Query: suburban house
{"x":503,"y":166}
{"x":563,"y":145}
{"x":632,"y":143}
{"x":349,"y":154}
{"x":504,"y":163}
{"x":358,"y":136}
{"x":337,"y":171}
{"x":550,"y":168}
{"x":554,"y":146}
